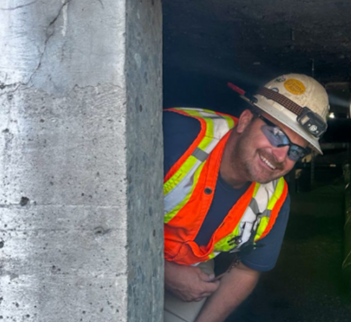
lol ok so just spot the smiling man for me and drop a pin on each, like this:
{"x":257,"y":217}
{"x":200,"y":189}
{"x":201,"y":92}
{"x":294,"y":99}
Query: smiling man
{"x":225,"y":192}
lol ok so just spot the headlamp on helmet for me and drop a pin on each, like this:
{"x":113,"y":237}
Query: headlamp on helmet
{"x":295,"y":100}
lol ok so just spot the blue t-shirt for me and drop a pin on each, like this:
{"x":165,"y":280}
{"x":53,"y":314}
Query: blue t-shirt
{"x":179,"y":132}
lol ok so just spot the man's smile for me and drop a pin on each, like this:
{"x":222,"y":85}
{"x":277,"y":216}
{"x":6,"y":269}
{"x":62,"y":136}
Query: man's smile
{"x":269,"y":164}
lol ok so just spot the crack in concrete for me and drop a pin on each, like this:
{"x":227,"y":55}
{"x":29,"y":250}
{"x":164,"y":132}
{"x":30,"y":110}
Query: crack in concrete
{"x":49,"y":35}
{"x":102,"y":4}
{"x":65,"y":3}
{"x":43,"y":230}
{"x":59,"y":206}
{"x":11,"y":85}
{"x":76,"y":86}
{"x":3,"y":86}
{"x":19,"y":7}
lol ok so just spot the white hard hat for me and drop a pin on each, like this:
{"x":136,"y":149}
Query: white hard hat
{"x":301,"y":90}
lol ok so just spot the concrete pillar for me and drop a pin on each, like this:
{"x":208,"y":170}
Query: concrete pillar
{"x":81,"y":161}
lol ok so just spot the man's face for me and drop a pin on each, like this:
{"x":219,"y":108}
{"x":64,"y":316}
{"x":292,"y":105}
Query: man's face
{"x":259,"y":160}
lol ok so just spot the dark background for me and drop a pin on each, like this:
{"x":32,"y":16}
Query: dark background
{"x":208,"y":43}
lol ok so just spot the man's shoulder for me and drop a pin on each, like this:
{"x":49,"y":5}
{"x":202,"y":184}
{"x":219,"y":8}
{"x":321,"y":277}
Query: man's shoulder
{"x":179,"y":132}
{"x":171,"y":117}
{"x":178,"y":127}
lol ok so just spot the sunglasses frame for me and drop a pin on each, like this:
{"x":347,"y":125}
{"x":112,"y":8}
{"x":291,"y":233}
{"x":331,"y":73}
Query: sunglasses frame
{"x":306,"y":151}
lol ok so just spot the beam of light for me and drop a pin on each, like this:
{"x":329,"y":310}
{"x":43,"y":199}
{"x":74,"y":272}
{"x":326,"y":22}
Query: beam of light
{"x":337,"y":100}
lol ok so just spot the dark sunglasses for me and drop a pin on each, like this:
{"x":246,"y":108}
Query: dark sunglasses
{"x":278,"y":139}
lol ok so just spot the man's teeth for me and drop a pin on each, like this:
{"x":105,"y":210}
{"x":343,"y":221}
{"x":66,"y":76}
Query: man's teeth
{"x":267,"y":162}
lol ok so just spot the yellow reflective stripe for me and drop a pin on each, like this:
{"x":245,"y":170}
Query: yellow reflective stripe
{"x":212,"y":255}
{"x":191,"y":160}
{"x":176,"y":209}
{"x":209,"y":128}
{"x":272,"y":202}
{"x":230,"y":121}
{"x":277,"y":194}
{"x":191,"y":110}
{"x":209,"y":122}
{"x":179,"y":175}
{"x":257,"y":186}
{"x":222,"y":245}
{"x":262,"y":227}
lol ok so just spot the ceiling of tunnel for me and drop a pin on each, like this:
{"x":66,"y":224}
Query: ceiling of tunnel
{"x":210,"y":42}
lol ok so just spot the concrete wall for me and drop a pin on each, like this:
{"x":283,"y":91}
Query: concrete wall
{"x":144,"y":160}
{"x":81,"y":161}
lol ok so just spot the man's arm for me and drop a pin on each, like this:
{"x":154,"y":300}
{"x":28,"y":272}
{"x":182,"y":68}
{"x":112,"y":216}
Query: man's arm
{"x":234,"y":288}
{"x":189,"y":283}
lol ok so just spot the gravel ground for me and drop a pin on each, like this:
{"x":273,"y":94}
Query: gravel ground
{"x":307,"y":284}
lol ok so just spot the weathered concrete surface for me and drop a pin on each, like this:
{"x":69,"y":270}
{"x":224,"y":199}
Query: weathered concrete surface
{"x":81,"y":161}
{"x":145,"y":166}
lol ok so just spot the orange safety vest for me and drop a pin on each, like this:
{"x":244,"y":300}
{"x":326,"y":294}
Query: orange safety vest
{"x":189,"y":188}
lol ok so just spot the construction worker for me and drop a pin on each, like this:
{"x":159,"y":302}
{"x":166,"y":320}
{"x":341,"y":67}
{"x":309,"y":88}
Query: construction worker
{"x":225,"y":192}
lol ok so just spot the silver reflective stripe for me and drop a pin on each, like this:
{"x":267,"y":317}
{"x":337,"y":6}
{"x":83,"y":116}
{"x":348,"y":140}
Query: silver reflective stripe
{"x":200,"y":154}
{"x":182,"y":189}
{"x":245,"y":226}
{"x":220,"y":124}
{"x":211,"y":146}
{"x":254,"y":206}
{"x":256,"y":224}
{"x":258,"y":205}
{"x":220,"y":128}
{"x":266,"y":213}
{"x":263,"y":195}
{"x":275,"y":183}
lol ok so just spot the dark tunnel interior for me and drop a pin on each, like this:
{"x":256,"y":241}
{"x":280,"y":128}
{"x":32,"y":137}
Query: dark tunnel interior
{"x":209,"y":43}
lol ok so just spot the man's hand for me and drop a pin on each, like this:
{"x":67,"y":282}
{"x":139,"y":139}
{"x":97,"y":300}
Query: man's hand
{"x":189,"y":283}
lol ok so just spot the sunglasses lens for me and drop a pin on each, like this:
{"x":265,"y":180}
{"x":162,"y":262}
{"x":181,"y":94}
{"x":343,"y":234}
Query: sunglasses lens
{"x":277,"y":138}
{"x":295,"y":153}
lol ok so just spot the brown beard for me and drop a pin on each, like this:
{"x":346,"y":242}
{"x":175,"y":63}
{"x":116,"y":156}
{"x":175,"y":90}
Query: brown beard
{"x":241,"y":162}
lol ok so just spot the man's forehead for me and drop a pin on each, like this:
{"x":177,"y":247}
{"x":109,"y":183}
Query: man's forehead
{"x":275,"y":121}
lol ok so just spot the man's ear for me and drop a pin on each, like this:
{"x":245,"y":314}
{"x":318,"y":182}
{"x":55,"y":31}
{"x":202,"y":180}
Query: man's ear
{"x":244,"y":120}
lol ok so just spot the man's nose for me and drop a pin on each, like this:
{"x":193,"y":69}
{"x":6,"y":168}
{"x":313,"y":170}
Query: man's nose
{"x":281,"y":153}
